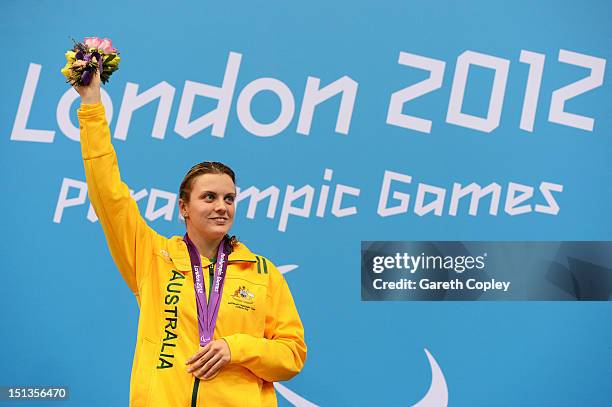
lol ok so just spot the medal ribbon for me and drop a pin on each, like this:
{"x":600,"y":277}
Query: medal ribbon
{"x":207,"y":310}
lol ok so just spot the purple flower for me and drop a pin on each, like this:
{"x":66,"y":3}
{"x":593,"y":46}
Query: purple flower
{"x":86,"y":77}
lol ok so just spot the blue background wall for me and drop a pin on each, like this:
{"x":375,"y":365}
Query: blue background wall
{"x":69,"y":319}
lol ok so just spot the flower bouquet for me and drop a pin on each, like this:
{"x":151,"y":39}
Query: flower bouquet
{"x":88,"y":56}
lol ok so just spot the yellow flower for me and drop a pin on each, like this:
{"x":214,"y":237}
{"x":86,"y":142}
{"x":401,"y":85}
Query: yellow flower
{"x":114,"y":61}
{"x":70,"y":56}
{"x":66,"y":71}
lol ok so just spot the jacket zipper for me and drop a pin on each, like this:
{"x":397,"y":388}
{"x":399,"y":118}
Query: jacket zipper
{"x":194,"y":393}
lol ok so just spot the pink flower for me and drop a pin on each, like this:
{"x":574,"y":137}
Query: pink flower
{"x":106,"y":45}
{"x":92,"y":42}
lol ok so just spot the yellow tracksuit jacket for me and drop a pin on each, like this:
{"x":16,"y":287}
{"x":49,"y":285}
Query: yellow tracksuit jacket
{"x":257,"y":316}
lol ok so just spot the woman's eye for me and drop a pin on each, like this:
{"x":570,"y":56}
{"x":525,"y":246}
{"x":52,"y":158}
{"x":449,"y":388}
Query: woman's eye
{"x":209,"y":197}
{"x":229,"y":199}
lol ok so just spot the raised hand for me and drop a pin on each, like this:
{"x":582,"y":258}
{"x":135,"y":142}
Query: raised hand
{"x":90,"y":94}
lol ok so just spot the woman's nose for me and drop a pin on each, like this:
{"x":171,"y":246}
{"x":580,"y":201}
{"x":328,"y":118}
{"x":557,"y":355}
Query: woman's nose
{"x":220,"y":207}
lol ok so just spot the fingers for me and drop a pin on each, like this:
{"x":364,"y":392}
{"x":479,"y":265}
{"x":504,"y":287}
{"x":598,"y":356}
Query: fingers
{"x":198,"y":354}
{"x":203,"y":372}
{"x":205,"y":357}
{"x":214,"y":369}
{"x":91,"y":91}
{"x":209,"y":360}
{"x":79,"y":63}
{"x":97,"y":71}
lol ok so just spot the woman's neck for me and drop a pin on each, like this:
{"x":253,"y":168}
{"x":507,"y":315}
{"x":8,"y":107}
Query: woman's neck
{"x":207,"y":248}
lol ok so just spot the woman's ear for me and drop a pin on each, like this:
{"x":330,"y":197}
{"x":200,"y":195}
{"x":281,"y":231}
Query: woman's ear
{"x":183,"y":208}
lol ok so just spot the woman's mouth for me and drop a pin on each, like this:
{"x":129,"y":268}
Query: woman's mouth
{"x":219,"y":220}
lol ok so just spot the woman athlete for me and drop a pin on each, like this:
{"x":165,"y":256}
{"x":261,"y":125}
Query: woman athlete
{"x":217,"y":323}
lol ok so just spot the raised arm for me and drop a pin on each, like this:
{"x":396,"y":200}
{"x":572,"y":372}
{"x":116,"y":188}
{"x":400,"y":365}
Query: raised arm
{"x":126,"y":231}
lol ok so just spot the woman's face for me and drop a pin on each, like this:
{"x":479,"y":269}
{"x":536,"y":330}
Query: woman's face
{"x":210,"y":210}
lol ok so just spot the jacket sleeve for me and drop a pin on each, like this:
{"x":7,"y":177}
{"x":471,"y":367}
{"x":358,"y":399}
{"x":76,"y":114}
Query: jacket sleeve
{"x":126,"y":231}
{"x":281,"y":353}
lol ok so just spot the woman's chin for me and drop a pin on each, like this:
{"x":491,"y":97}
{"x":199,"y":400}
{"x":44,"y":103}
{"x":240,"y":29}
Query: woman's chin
{"x":216,"y":232}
